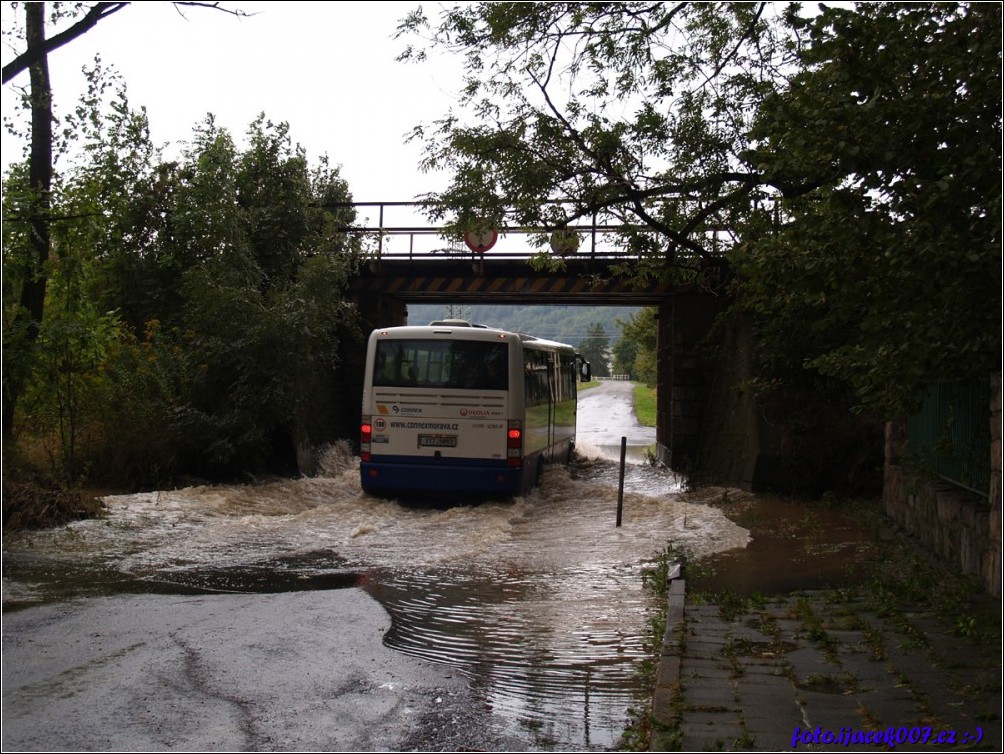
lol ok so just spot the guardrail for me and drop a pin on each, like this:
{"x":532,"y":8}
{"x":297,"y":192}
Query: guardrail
{"x":391,"y":236}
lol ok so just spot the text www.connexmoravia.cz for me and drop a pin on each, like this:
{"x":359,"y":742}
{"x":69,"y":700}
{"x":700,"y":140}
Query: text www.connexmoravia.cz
{"x":891,"y":737}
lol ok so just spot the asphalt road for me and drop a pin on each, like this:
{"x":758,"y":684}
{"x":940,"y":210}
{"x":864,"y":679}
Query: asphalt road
{"x":294,"y":671}
{"x":606,"y":414}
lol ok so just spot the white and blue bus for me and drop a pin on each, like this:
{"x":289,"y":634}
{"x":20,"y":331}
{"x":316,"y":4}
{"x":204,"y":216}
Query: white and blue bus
{"x":452,"y":407}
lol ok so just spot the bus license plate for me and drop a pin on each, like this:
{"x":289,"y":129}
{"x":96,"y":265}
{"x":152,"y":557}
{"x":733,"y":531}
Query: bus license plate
{"x":437,"y":441}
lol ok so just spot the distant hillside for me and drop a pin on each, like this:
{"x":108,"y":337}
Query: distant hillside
{"x":568,"y":324}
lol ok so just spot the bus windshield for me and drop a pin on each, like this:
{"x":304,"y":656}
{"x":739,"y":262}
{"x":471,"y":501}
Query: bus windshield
{"x":453,"y":364}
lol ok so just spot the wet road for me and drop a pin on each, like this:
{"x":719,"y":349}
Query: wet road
{"x":297,"y":671}
{"x":606,"y":414}
{"x":305,"y":614}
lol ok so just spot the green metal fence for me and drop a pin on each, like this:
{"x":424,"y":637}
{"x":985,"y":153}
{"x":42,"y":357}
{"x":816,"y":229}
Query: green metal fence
{"x":951,"y":434}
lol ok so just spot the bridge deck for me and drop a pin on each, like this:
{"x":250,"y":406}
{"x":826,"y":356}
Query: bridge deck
{"x":582,"y":281}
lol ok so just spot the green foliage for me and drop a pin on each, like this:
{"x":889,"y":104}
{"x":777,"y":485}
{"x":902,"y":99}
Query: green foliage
{"x":263,"y":304}
{"x":885,"y":276}
{"x":195,"y":316}
{"x":847,"y":161}
{"x":579,"y":109}
{"x":635,"y":353}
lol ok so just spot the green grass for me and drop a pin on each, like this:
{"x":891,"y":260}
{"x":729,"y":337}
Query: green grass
{"x":644,"y":405}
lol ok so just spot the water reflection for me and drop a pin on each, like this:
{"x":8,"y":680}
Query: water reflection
{"x":554,"y":654}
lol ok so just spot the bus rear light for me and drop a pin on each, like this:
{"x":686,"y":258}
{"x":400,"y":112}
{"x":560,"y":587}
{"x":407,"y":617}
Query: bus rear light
{"x":514,"y":437}
{"x":514,"y":444}
{"x":365,"y":439}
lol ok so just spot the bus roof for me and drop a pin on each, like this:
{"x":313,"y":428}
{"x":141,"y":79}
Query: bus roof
{"x":463,"y":330}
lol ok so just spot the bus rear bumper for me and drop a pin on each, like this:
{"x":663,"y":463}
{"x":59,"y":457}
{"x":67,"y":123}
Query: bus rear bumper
{"x":410,"y":478}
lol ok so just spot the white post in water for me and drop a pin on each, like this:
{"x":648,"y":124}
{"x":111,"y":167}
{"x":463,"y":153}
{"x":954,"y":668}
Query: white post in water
{"x":620,"y":485}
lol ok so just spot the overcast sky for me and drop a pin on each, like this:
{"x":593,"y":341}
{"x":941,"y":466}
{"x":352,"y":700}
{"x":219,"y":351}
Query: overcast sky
{"x":327,"y":69}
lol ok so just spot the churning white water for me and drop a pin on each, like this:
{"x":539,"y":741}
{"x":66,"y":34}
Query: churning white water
{"x":538,"y":600}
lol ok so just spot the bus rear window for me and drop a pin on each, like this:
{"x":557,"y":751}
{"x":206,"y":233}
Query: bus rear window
{"x":453,"y":364}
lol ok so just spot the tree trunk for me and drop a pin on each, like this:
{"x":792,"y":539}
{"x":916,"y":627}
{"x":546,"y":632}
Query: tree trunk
{"x":28,"y":319}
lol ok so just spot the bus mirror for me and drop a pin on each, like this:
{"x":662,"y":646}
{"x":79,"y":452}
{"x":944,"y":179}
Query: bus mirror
{"x":585,"y":372}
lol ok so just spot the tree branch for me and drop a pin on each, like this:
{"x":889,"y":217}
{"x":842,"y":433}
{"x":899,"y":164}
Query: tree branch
{"x":742,"y":38}
{"x":35,"y":53}
{"x":97,"y":12}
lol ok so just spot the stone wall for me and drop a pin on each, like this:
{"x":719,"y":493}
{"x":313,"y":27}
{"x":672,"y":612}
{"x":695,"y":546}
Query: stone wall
{"x":961,"y":527}
{"x":790,"y":440}
{"x":684,"y":376}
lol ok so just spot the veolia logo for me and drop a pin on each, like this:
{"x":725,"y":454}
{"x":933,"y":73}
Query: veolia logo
{"x":475,"y":412}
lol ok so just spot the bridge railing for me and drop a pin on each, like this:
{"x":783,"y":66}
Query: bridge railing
{"x":397,"y":232}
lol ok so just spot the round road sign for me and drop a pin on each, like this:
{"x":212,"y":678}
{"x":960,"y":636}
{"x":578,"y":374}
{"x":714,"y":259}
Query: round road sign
{"x":481,"y":240}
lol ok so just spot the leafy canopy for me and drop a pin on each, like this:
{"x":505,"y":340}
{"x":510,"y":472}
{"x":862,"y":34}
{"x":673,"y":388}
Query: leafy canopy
{"x":846,"y":161}
{"x":633,"y":113}
{"x":887,"y":275}
{"x":196,"y":315}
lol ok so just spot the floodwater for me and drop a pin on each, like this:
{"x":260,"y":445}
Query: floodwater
{"x":794,"y":545}
{"x":538,"y":600}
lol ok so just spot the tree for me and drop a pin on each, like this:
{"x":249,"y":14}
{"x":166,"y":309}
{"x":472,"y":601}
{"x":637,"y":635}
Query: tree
{"x":263,"y":311}
{"x":194,"y":311}
{"x":25,"y":326}
{"x":23,"y":332}
{"x":63,"y":374}
{"x":594,"y":349}
{"x":633,"y":112}
{"x":890,"y":269}
{"x":39,"y":49}
{"x":847,"y":162}
{"x":635,"y":353}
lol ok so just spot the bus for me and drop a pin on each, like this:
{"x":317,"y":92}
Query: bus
{"x":458,"y":408}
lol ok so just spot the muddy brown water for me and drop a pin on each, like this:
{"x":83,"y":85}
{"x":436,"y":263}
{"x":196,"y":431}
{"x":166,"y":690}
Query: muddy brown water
{"x":538,"y":601}
{"x":794,"y":545}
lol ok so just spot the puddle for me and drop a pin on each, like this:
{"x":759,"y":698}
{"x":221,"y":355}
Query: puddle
{"x":793,"y":545}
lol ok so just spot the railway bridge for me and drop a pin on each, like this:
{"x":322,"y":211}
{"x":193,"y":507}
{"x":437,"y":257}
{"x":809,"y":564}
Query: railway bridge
{"x":409,"y":264}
